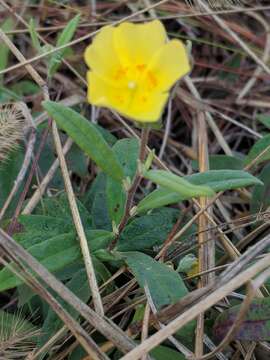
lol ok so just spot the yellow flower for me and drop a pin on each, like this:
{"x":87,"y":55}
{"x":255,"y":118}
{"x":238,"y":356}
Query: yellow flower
{"x":133,"y":67}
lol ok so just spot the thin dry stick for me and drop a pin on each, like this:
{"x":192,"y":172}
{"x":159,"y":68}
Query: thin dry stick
{"x":35,"y":198}
{"x":198,"y":308}
{"x":257,"y":158}
{"x":235,"y":37}
{"x":180,"y":347}
{"x":252,"y":80}
{"x":167,"y":130}
{"x":78,"y":224}
{"x":26,"y":62}
{"x":227,"y":244}
{"x":84,"y":339}
{"x":165,"y":17}
{"x":205,"y":253}
{"x":100,"y":323}
{"x":233,"y":270}
{"x":23,"y":170}
{"x":209,"y":117}
{"x":71,"y":197}
{"x":20,"y":19}
{"x":252,"y":289}
{"x":145,"y":325}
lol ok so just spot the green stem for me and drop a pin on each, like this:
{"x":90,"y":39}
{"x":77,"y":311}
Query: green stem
{"x":134,"y":186}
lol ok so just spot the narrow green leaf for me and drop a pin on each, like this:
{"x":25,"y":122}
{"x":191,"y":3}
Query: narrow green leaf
{"x":126,"y":151}
{"x":4,"y":50}
{"x":64,"y":38}
{"x":260,"y":199}
{"x":86,"y":136}
{"x":158,"y":198}
{"x":254,"y":327}
{"x":34,"y":35}
{"x":79,"y":285}
{"x":264,"y":119}
{"x":222,"y":162}
{"x":165,"y":285}
{"x":217,"y":180}
{"x":258,"y":148}
{"x":221,"y":180}
{"x":177,"y":184}
{"x":166,"y":353}
{"x":56,"y":253}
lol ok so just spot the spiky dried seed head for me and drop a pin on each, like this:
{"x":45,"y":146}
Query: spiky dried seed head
{"x":12,"y":124}
{"x":17,"y":336}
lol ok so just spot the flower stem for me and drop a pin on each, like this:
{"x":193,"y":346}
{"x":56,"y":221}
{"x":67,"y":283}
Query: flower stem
{"x":134,"y":186}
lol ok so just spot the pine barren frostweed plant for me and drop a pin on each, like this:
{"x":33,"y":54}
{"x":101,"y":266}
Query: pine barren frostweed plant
{"x":133,"y":67}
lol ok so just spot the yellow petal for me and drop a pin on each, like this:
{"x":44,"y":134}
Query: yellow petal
{"x":102,"y":93}
{"x":136,"y":105}
{"x":168,"y":65}
{"x":101,"y":56}
{"x":137,"y":43}
{"x":147,"y":107}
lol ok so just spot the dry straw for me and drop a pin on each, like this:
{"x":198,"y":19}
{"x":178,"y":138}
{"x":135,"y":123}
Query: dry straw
{"x":12,"y":124}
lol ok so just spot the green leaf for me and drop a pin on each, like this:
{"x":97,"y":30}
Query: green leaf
{"x":177,"y":184}
{"x":165,"y":285}
{"x":260,"y":199}
{"x":25,"y":87}
{"x":264,"y":119}
{"x":34,"y":35}
{"x":166,"y":353}
{"x":77,"y":161}
{"x":254,"y":327}
{"x":86,"y":136}
{"x":221,"y":162}
{"x":7,"y":25}
{"x":56,"y":253}
{"x":37,"y":228}
{"x":100,"y":212}
{"x":58,"y":206}
{"x":79,"y":285}
{"x":158,"y":198}
{"x":126,"y":151}
{"x":258,"y":148}
{"x":221,"y":180}
{"x":159,"y":353}
{"x":233,"y":63}
{"x":217,"y":180}
{"x":147,"y":231}
{"x":64,"y":38}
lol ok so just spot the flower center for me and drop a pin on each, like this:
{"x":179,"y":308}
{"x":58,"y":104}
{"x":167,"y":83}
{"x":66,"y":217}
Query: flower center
{"x":132,"y":85}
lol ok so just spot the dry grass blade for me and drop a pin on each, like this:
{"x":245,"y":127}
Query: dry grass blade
{"x":15,"y":121}
{"x":197,"y":309}
{"x":12,"y":126}
{"x":102,"y":324}
{"x":211,"y":122}
{"x":17,"y":336}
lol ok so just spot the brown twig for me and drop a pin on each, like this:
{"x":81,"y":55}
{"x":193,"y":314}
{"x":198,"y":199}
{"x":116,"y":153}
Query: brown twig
{"x":100,"y":323}
{"x":84,"y":339}
{"x":71,"y":197}
{"x":22,"y":172}
{"x":197,"y":309}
